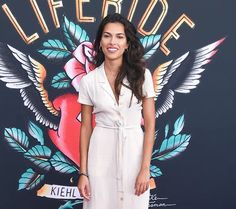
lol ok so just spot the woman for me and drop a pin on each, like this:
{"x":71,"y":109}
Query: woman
{"x":116,"y":154}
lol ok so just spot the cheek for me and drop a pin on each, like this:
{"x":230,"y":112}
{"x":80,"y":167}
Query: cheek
{"x":104,"y":41}
{"x":125,"y":45}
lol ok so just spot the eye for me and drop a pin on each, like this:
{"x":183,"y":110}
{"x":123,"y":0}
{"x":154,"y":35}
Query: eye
{"x":120,"y":37}
{"x":105,"y":35}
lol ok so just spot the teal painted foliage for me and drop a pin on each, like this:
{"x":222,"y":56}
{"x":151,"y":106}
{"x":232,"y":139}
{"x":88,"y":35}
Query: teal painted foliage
{"x":61,"y":164}
{"x":36,"y":132}
{"x":39,"y":155}
{"x":17,"y":139}
{"x":155,"y":171}
{"x":150,"y":43}
{"x":61,"y":81}
{"x":172,"y":145}
{"x":70,"y":204}
{"x":30,"y":180}
{"x":179,"y":125}
{"x":73,"y":33}
{"x":54,"y":49}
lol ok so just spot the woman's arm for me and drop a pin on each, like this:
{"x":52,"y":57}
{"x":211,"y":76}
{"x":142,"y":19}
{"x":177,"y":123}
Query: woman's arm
{"x":142,"y":181}
{"x":85,"y":134}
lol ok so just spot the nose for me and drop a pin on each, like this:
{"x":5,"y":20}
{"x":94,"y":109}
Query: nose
{"x":113,"y":40}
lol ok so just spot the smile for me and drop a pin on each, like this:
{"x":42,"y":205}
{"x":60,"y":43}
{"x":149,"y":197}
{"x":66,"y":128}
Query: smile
{"x":112,"y":49}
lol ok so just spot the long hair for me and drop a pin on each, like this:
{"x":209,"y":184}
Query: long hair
{"x":133,"y":65}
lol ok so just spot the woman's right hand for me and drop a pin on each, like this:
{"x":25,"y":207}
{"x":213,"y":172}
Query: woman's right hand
{"x":84,"y":187}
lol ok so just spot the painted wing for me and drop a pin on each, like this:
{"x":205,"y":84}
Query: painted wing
{"x":181,"y":75}
{"x":21,"y":71}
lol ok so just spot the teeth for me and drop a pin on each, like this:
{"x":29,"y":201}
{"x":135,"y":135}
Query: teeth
{"x":112,"y":49}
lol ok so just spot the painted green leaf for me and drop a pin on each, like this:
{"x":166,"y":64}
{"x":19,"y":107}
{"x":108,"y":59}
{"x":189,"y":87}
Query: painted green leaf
{"x":36,"y":132}
{"x":61,"y":81}
{"x":61,"y":164}
{"x":74,"y":34}
{"x":155,"y":171}
{"x":173,"y":146}
{"x":69,"y":204}
{"x":29,"y":180}
{"x":152,"y":42}
{"x":179,"y":125}
{"x":40,"y":156}
{"x":54,"y":54}
{"x":17,"y":139}
{"x":156,"y":135}
{"x":166,"y":130}
{"x":155,"y":152}
{"x":54,"y":49}
{"x":55,"y":44}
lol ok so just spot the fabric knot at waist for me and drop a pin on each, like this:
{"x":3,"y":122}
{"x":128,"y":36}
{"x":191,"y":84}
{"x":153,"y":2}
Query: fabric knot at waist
{"x":122,"y":134}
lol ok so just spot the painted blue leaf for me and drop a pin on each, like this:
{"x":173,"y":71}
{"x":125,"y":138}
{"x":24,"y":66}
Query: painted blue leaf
{"x":74,"y":33}
{"x":150,"y":41}
{"x":69,"y":204}
{"x":40,"y":156}
{"x":29,"y":180}
{"x":156,"y":134}
{"x":54,"y":49}
{"x":36,"y":132}
{"x":61,"y":81}
{"x":155,"y":171}
{"x":173,"y":146}
{"x":17,"y":139}
{"x":179,"y":124}
{"x":61,"y":164}
{"x":53,"y":54}
{"x":55,"y":44}
{"x":155,"y":152}
{"x":166,"y":130}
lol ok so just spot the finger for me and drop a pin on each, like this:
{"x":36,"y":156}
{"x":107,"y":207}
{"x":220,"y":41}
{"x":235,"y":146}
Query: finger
{"x":142,"y":189}
{"x":87,"y":191}
{"x":138,"y":189}
{"x":83,"y":193}
{"x":80,"y":191}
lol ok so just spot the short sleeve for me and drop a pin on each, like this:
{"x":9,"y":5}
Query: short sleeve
{"x":148,"y":88}
{"x":84,"y":97}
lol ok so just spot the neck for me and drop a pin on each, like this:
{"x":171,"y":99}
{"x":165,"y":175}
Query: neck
{"x":112,"y":66}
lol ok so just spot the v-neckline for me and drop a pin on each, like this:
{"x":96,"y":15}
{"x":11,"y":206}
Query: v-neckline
{"x":113,"y":93}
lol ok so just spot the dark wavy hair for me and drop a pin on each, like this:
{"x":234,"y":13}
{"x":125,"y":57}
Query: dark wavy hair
{"x":133,"y":65}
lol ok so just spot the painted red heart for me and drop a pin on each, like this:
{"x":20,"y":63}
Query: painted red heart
{"x":66,"y":138}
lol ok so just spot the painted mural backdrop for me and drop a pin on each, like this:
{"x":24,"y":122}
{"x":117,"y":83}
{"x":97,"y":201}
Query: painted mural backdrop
{"x":45,"y":50}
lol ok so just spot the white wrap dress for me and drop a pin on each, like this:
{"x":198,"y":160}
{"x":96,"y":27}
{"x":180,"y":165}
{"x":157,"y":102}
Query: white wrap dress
{"x":116,"y":143}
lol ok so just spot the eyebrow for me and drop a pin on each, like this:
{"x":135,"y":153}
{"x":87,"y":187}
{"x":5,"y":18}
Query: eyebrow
{"x":115,"y":34}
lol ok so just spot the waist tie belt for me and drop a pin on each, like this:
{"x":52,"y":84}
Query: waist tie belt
{"x":119,"y":150}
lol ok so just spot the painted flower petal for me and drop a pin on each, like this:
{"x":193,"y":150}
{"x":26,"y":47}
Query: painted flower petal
{"x":79,"y":52}
{"x":73,"y":68}
{"x":89,"y":66}
{"x":75,"y":82}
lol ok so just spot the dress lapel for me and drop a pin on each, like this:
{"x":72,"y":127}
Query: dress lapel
{"x":103,"y":81}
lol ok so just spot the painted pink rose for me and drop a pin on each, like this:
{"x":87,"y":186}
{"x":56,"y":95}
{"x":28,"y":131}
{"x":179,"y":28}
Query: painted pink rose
{"x":80,"y":64}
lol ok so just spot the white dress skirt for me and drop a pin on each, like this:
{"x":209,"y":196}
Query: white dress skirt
{"x":116,"y":143}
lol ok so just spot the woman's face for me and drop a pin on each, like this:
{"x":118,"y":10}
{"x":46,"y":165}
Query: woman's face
{"x":113,"y":41}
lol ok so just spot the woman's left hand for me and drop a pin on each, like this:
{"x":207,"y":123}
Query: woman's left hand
{"x":142,"y":181}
